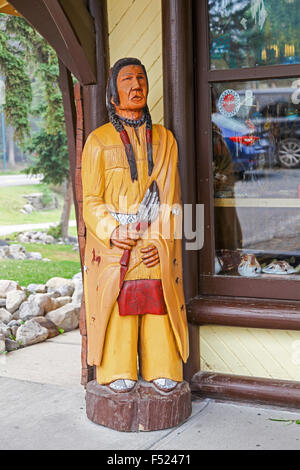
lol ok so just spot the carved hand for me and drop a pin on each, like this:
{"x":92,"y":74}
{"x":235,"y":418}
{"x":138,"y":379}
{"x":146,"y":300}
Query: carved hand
{"x":124,"y":237}
{"x":151,"y":256}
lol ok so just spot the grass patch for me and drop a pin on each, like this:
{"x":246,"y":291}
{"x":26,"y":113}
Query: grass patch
{"x":53,"y":252}
{"x":39,"y":272}
{"x":10,"y":172}
{"x":73,"y":231}
{"x":64,"y":263}
{"x":12,"y":200}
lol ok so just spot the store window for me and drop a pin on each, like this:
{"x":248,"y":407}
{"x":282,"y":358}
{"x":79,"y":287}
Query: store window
{"x":256,"y":174}
{"x":249,"y":33}
{"x":248,"y":144}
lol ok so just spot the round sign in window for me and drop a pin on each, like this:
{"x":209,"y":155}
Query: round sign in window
{"x":229,"y":103}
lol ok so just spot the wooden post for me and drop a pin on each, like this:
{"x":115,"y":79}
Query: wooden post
{"x":66,"y":86}
{"x":91,"y":113}
{"x":95,"y":112}
{"x":178,"y":80}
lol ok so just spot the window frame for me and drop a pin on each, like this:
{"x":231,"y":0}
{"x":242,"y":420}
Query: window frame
{"x":209,"y":283}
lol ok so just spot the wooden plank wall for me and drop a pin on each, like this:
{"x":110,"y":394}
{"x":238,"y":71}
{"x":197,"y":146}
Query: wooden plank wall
{"x":135,"y":31}
{"x":254,"y":352}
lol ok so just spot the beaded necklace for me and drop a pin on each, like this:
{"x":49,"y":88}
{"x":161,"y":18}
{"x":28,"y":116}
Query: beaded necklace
{"x":133,"y":122}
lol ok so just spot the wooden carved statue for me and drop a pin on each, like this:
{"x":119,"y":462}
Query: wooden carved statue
{"x":133,"y":264}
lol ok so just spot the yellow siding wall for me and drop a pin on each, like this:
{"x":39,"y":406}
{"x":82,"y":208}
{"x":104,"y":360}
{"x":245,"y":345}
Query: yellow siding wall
{"x":251,"y":351}
{"x":135,"y":31}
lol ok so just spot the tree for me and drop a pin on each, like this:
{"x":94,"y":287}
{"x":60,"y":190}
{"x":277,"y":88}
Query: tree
{"x":34,"y":60}
{"x":18,"y":90}
{"x":11,"y":148}
{"x":256,"y":32}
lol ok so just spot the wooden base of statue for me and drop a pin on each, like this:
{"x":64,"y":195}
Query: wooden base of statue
{"x":144,"y":408}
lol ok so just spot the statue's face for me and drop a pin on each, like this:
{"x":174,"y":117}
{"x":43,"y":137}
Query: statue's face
{"x":132,"y":88}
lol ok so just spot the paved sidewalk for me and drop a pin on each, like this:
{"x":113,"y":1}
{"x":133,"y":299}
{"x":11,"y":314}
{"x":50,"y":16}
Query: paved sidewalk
{"x":42,"y":406}
{"x":19,"y":180}
{"x":7,"y":229}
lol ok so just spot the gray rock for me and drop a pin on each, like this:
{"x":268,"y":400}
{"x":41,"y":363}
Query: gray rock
{"x":29,"y":310}
{"x":55,"y":283}
{"x":63,"y":291}
{"x":37,"y":288}
{"x":4,"y":252}
{"x":30,"y":333}
{"x":78,"y":292}
{"x":4,"y":329}
{"x":49,"y":239}
{"x":51,"y":327}
{"x":42,"y":300}
{"x":77,"y":276}
{"x":2,"y":303}
{"x":35,"y":255}
{"x":28,"y":208}
{"x":11,"y":344}
{"x":14,"y":323}
{"x":6,"y":286}
{"x":60,"y":302}
{"x":16,"y":315}
{"x":23,"y":238}
{"x":17,"y":252}
{"x":14,"y":299}
{"x":2,"y":344}
{"x":14,"y":330}
{"x":66,"y":317}
{"x":5,"y":316}
{"x":36,"y":236}
{"x":54,"y":294}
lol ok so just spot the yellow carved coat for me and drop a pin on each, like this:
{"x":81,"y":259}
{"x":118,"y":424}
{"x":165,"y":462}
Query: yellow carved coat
{"x":107,"y":187}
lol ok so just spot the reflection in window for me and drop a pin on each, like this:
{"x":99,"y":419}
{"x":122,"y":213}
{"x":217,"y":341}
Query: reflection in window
{"x":256,"y":168}
{"x":248,"y":33}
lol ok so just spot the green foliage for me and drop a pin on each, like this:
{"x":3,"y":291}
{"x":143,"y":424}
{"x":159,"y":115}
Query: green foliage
{"x":30,"y":271}
{"x":50,"y":154}
{"x":17,"y":84}
{"x":281,"y":27}
{"x":46,"y":195}
{"x":55,"y":231}
{"x":287,"y":421}
{"x":24,"y":57}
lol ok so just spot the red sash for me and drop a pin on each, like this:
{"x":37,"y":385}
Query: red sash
{"x":142,"y":296}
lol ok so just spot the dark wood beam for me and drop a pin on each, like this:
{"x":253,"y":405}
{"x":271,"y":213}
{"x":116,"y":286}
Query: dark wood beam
{"x":67,"y":90}
{"x":284,"y":393}
{"x":83,"y":26}
{"x":178,"y":88}
{"x":269,"y":287}
{"x":248,"y":313}
{"x":203,"y":136}
{"x":193,"y":364}
{"x":67,"y":31}
{"x":50,"y":20}
{"x":95,"y":112}
{"x":254,"y":73}
{"x":91,"y":113}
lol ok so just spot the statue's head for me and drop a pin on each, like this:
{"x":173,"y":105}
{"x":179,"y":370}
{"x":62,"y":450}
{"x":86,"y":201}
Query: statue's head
{"x":127,"y":89}
{"x":127,"y":85}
